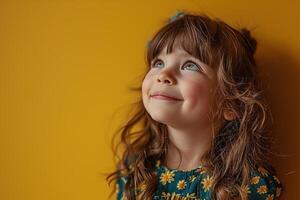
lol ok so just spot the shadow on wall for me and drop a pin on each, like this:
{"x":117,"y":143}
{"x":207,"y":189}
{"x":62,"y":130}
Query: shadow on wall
{"x":281,"y":73}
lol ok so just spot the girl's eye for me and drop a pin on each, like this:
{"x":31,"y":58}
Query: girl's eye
{"x":190,"y":65}
{"x":155,"y":62}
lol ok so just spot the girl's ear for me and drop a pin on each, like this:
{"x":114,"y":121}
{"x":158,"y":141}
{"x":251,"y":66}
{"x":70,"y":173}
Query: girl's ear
{"x":229,"y":115}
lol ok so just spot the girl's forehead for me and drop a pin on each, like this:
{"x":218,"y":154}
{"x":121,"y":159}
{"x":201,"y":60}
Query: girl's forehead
{"x":176,"y":50}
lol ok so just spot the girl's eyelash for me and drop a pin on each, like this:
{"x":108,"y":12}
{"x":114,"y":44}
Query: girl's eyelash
{"x":188,"y":61}
{"x":193,"y":63}
{"x":155,"y":61}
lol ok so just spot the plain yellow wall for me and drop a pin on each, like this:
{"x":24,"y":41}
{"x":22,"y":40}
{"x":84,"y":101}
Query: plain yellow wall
{"x":66,"y":67}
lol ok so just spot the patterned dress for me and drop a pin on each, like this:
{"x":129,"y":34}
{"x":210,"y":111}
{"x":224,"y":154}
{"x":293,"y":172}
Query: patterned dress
{"x":195,"y":184}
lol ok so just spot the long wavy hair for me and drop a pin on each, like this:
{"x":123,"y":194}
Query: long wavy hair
{"x":230,"y":53}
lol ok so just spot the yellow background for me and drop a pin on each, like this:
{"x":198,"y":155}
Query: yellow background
{"x":65,"y":70}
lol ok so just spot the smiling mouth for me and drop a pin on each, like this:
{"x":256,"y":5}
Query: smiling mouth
{"x":163,"y":97}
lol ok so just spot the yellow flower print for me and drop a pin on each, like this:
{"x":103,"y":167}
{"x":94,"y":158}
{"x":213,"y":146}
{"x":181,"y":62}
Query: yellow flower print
{"x":192,"y":178}
{"x":263,"y":171}
{"x":207,"y":183}
{"x":278,"y":191}
{"x":175,"y":196}
{"x":255,"y":180}
{"x":191,"y":196}
{"x":262,"y":189}
{"x":245,"y":190}
{"x":276,"y":179}
{"x":167,"y":177}
{"x":270,"y":197}
{"x":202,"y":170}
{"x":166,"y":195}
{"x":181,"y":185}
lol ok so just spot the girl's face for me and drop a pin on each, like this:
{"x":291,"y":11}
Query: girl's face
{"x":184,"y":77}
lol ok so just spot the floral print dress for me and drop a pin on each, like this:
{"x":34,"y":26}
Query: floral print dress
{"x":196,"y":183}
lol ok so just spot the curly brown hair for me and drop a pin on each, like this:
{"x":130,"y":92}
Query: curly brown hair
{"x":230,"y":53}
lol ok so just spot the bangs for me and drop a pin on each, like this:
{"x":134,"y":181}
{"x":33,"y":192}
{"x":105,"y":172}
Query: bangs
{"x":185,"y":33}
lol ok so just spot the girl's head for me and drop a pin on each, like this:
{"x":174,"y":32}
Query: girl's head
{"x":209,"y":68}
{"x":201,"y":62}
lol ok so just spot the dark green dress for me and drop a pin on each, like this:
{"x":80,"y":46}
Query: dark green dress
{"x":195,"y":184}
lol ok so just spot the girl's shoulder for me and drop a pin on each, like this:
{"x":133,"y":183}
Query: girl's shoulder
{"x":263,"y":185}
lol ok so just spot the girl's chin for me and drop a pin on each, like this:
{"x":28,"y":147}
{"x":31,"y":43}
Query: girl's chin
{"x":163,"y":118}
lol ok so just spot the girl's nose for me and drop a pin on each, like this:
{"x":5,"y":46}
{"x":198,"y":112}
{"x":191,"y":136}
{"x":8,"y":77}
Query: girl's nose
{"x":166,"y":77}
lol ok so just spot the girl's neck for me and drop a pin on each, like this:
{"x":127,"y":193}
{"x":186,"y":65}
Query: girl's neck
{"x":187,"y":163}
{"x":192,"y":147}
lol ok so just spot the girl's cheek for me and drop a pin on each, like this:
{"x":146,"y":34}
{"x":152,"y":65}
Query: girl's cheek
{"x":192,"y":93}
{"x":146,"y":84}
{"x":149,"y":78}
{"x":197,"y":92}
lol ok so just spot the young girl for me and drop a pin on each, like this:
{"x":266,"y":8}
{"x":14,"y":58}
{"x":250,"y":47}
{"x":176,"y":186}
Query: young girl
{"x":202,"y":119}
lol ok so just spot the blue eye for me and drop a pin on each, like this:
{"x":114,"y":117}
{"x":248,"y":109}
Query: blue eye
{"x":155,"y":62}
{"x":190,"y":65}
{"x":194,"y":67}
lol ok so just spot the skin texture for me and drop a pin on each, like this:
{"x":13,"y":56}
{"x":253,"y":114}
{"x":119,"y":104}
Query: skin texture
{"x":183,"y":76}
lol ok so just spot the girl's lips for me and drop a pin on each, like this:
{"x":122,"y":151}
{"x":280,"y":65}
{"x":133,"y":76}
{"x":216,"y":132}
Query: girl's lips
{"x":163,"y":97}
